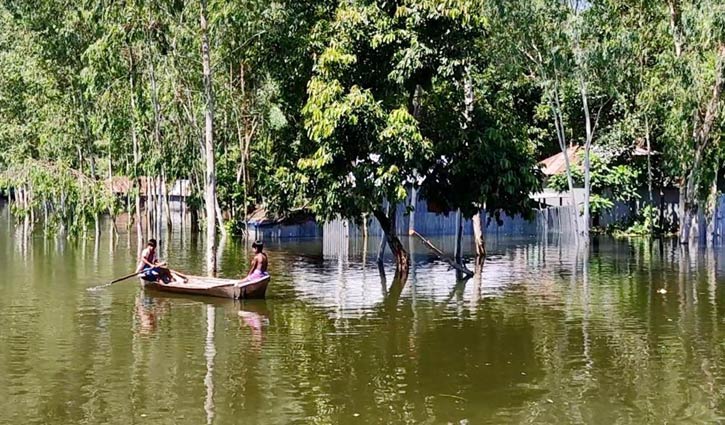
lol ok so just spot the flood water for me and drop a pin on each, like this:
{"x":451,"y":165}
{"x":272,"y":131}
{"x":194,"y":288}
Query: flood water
{"x":543,"y":335}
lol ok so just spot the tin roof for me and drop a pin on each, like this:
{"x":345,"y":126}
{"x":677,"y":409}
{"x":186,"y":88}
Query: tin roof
{"x":556,"y":164}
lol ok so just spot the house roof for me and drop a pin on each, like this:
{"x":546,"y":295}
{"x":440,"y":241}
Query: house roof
{"x":122,"y":185}
{"x":640,"y":149}
{"x":556,"y":164}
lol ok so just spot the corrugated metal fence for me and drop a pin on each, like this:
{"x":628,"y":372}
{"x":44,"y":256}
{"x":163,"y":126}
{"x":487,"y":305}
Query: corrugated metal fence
{"x":556,"y":220}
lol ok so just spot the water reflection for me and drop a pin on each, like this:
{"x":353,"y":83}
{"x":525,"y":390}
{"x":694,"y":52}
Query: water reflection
{"x":254,"y":316}
{"x":209,"y":354}
{"x":148,"y":312}
{"x":543,"y":333}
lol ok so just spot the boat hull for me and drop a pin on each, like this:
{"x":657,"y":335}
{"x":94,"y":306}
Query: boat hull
{"x":213,"y":287}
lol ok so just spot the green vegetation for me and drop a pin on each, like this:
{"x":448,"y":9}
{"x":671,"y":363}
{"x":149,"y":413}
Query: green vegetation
{"x":337,"y":107}
{"x":610,"y":183}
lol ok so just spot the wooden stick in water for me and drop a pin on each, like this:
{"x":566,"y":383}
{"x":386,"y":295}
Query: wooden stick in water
{"x":441,"y":254}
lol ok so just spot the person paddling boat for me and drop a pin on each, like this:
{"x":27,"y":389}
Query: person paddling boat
{"x":149,"y":264}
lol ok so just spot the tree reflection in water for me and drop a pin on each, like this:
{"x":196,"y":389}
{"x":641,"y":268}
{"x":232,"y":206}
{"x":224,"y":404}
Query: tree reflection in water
{"x":543,"y":333}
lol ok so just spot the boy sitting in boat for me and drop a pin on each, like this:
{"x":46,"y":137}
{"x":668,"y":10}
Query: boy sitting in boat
{"x":149,"y":264}
{"x":258,"y":270}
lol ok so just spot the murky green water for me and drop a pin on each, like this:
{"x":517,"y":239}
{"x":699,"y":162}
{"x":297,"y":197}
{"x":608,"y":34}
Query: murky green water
{"x":542,"y":336}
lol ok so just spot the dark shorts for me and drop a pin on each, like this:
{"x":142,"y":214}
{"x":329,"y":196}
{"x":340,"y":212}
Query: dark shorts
{"x":151,"y":274}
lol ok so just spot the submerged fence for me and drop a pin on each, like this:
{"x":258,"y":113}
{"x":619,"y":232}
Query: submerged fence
{"x":342,"y":237}
{"x":555,"y":219}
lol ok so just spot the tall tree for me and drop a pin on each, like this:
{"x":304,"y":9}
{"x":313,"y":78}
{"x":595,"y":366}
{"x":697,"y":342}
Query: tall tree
{"x":210,"y":175}
{"x":698,"y":75}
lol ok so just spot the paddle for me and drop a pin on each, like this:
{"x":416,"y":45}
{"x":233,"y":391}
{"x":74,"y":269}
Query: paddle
{"x":186,"y":278}
{"x":123,"y":278}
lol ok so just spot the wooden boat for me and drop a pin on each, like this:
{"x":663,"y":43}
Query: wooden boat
{"x":213,"y":287}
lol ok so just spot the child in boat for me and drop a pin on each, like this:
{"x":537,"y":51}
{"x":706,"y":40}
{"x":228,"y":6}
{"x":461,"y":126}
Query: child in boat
{"x":150,"y":266}
{"x":258,"y":270}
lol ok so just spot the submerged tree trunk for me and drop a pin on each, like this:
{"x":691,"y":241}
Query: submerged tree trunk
{"x":383,"y":242}
{"x":479,"y":237}
{"x":402,"y":260}
{"x":210,"y":175}
{"x":413,"y":204}
{"x":411,"y":219}
{"x":167,"y":204}
{"x":220,"y":218}
{"x":457,"y":254}
{"x":159,"y":204}
{"x":711,"y":213}
{"x":584,"y":229}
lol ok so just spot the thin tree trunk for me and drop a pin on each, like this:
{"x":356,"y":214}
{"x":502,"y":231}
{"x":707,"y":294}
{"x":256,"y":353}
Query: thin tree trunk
{"x":220,"y":218}
{"x":651,"y":211}
{"x":711,"y":213}
{"x":45,"y":216}
{"x":167,"y":204}
{"x":157,"y":192}
{"x":587,"y":148}
{"x":136,"y":162}
{"x":243,"y":149}
{"x":649,"y":160}
{"x":458,"y":255}
{"x":159,"y":205}
{"x":114,"y":199}
{"x":381,"y":248}
{"x":676,"y":27}
{"x":29,"y":202}
{"x":413,"y":204}
{"x":149,"y":207}
{"x":210,"y":180}
{"x":411,"y":218}
{"x":153,"y":206}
